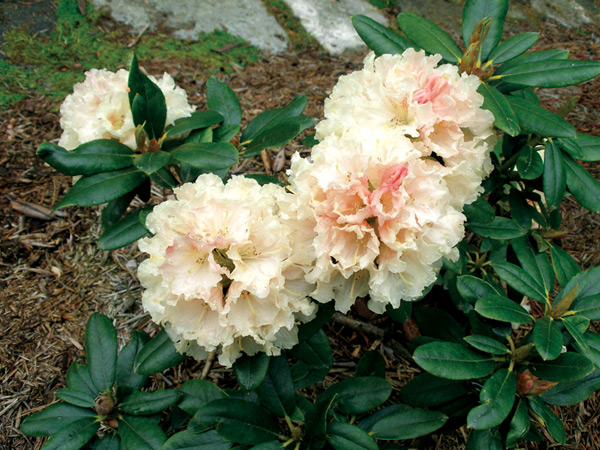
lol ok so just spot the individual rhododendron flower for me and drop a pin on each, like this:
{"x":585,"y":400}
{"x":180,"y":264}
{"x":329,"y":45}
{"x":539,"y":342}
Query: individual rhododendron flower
{"x":98,"y":108}
{"x":227,"y":268}
{"x":437,"y":108}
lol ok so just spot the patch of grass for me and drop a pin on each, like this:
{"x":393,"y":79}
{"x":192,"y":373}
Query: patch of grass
{"x":51,"y":65}
{"x":298,"y":36}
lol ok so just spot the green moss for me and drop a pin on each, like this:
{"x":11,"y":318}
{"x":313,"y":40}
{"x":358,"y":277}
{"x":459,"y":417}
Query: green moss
{"x":51,"y":65}
{"x":297,"y":35}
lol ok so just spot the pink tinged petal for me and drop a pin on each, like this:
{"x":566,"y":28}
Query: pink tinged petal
{"x":386,"y":200}
{"x":435,"y":87}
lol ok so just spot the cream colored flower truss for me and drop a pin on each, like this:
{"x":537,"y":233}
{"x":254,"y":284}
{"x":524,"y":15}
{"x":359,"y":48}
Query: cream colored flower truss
{"x":98,"y":108}
{"x":404,"y":147}
{"x":227,"y":267}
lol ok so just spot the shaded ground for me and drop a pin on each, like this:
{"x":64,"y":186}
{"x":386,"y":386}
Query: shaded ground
{"x":53,"y":276}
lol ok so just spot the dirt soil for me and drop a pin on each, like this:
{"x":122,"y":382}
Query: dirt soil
{"x":53,"y":276}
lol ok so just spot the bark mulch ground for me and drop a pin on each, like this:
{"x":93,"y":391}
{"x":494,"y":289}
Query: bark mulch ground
{"x":53,"y":276}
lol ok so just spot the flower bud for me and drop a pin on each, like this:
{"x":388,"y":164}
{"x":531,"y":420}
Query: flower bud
{"x":104,"y":404}
{"x":532,"y":386}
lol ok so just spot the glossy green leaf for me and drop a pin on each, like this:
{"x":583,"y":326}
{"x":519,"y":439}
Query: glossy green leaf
{"x":426,"y":390}
{"x":164,"y":179}
{"x":102,"y":187}
{"x":564,"y":265}
{"x":497,"y":397}
{"x":79,"y":379}
{"x":505,"y":118}
{"x":572,"y":325}
{"x":207,"y":155}
{"x":378,"y":37}
{"x":225,"y":133}
{"x":197,"y":393}
{"x":472,"y":288}
{"x":499,"y":228}
{"x":568,"y":366}
{"x":476,"y":10}
{"x":438,"y":324}
{"x":101,"y":351}
{"x":74,"y":397}
{"x":479,"y":211}
{"x":115,"y":209}
{"x":371,"y":364}
{"x":367,"y":423}
{"x":535,"y":264}
{"x":453,"y":361}
{"x":513,"y":47}
{"x":140,"y":433}
{"x":529,"y":163}
{"x":54,"y":417}
{"x":250,"y":371}
{"x":127,"y":380}
{"x":270,"y":117}
{"x":152,"y":111}
{"x":126,"y":231}
{"x":400,"y":314}
{"x":486,"y":344}
{"x":520,"y":280}
{"x":314,"y":360}
{"x":549,"y":420}
{"x":198,"y":119}
{"x":531,"y":57}
{"x":269,"y":445}
{"x":222,"y":99}
{"x":587,"y":307}
{"x":344,"y":436}
{"x":277,"y":392}
{"x":316,"y":423}
{"x":151,"y":162}
{"x":429,"y":36}
{"x":503,"y":309}
{"x":100,"y":155}
{"x":185,"y":440}
{"x":239,"y":421}
{"x":519,"y":424}
{"x":555,"y":177}
{"x":573,"y":392}
{"x":407,"y":424}
{"x":583,"y":148}
{"x":73,"y":436}
{"x":547,"y":338}
{"x":147,"y":403}
{"x":484,"y":440}
{"x":582,"y":185}
{"x":358,"y":395}
{"x":263,"y":179}
{"x":534,"y":119}
{"x":110,"y":441}
{"x":277,"y":134}
{"x":571,"y":146}
{"x":553,"y":73}
{"x":157,"y":355}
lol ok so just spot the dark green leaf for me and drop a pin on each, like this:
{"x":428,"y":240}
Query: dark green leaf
{"x":549,"y":420}
{"x":479,"y":211}
{"x":564,"y":265}
{"x":200,"y":136}
{"x":222,"y":99}
{"x":499,"y":228}
{"x":344,"y":436}
{"x":269,"y":445}
{"x":277,"y":134}
{"x":152,"y":111}
{"x":568,"y":366}
{"x":157,"y":355}
{"x":484,"y":440}
{"x":127,"y":230}
{"x":79,"y":379}
{"x":504,"y":117}
{"x":426,"y":390}
{"x":582,"y":185}
{"x":270,"y":117}
{"x":225,"y":133}
{"x":429,"y":36}
{"x":51,"y":419}
{"x":486,"y":344}
{"x":100,"y":155}
{"x":250,"y":371}
{"x":102,"y":187}
{"x":358,"y":395}
{"x":314,"y":360}
{"x":587,"y":307}
{"x":532,"y":57}
{"x":535,"y":264}
{"x":127,"y":380}
{"x":164,"y":179}
{"x":198,"y":119}
{"x":476,"y":10}
{"x":503,"y":309}
{"x":529,"y":163}
{"x":324,"y":314}
{"x":185,"y":440}
{"x":277,"y":392}
{"x":553,"y":73}
{"x":555,"y":177}
{"x":207,"y":155}
{"x":571,"y":146}
{"x":147,"y":403}
{"x":513,"y":47}
{"x":520,"y":280}
{"x":371,"y":364}
{"x":101,"y":350}
{"x":439,"y":324}
{"x":316,"y":423}
{"x":407,"y":424}
{"x":367,"y":423}
{"x":74,"y":397}
{"x":110,"y":441}
{"x":534,"y":119}
{"x":379,"y":38}
{"x":519,"y":424}
{"x":572,"y":325}
{"x":140,"y":433}
{"x":573,"y":392}
{"x":115,"y":209}
{"x":472,"y":288}
{"x":453,"y":361}
{"x":547,"y":338}
{"x":584,"y":147}
{"x":197,"y":393}
{"x":73,"y":436}
{"x":238,"y":420}
{"x":149,"y":163}
{"x":497,"y":397}
{"x":263,"y":179}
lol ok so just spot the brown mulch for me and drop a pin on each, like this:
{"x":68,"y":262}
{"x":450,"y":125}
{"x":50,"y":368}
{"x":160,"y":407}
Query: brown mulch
{"x":53,"y":276}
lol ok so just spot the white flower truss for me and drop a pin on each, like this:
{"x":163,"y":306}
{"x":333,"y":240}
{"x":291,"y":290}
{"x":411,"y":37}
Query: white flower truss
{"x":227,"y":268}
{"x":98,"y":108}
{"x":404,"y":146}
